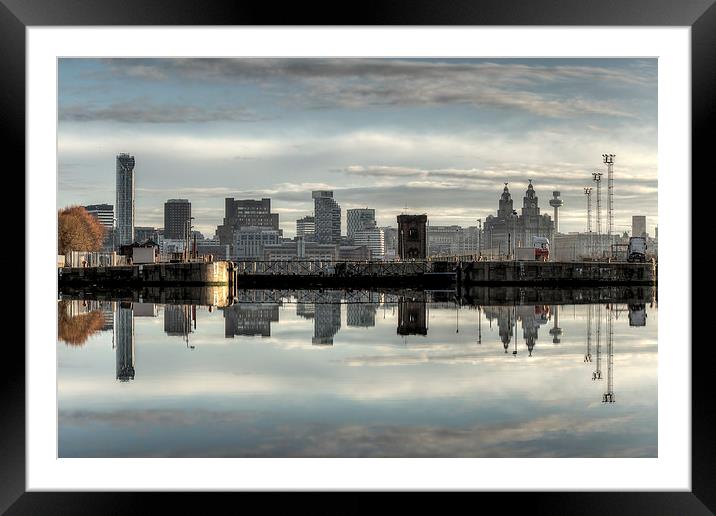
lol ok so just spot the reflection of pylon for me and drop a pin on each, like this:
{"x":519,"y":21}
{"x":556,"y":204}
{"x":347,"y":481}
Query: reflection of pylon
{"x":597,"y":375}
{"x":588,"y":355}
{"x":609,"y":394}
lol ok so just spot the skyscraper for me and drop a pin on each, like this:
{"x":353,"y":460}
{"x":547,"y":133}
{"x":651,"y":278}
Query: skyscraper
{"x":104,"y":213}
{"x":328,"y":217}
{"x":177,"y":213}
{"x":359,"y":219}
{"x":125,"y":199}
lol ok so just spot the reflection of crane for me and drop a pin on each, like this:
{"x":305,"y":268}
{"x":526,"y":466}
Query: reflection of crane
{"x":609,"y":394}
{"x":597,"y":375}
{"x":588,"y":355}
{"x":479,"y":324}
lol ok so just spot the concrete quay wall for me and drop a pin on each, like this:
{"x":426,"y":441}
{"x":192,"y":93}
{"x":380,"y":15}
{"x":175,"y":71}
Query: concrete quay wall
{"x":555,"y":273}
{"x":199,"y":273}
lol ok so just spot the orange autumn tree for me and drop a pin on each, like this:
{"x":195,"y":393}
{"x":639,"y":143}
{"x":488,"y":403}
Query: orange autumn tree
{"x":77,"y":230}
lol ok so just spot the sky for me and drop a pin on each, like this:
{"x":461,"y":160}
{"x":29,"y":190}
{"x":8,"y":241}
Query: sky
{"x":438,"y":136}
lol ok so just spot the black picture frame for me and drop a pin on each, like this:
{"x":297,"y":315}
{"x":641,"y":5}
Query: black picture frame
{"x":700,"y":15}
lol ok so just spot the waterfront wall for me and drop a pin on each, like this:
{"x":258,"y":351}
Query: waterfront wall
{"x":198,"y":273}
{"x":556,"y":273}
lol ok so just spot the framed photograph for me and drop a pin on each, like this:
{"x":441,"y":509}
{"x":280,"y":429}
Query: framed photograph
{"x":416,"y":250}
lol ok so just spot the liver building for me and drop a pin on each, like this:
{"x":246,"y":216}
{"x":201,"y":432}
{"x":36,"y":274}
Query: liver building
{"x":516,"y":229}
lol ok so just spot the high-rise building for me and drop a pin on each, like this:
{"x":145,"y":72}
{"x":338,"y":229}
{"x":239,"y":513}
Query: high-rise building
{"x":327,"y":213}
{"x":390,"y":239}
{"x":638,"y":225}
{"x":306,"y":227}
{"x":359,"y":219}
{"x":125,"y":199}
{"x":372,"y":238}
{"x":177,"y":216}
{"x":244,"y":221}
{"x":104,"y":213}
{"x":412,"y":237}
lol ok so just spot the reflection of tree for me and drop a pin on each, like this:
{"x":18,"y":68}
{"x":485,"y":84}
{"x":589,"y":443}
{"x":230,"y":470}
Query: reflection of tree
{"x":75,"y":330}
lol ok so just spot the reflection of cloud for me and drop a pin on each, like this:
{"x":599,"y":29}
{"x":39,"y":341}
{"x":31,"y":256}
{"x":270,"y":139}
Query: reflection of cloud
{"x":620,"y":435}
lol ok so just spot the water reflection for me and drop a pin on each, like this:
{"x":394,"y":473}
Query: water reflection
{"x":428,"y":364}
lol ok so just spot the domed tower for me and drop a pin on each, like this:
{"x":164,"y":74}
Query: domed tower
{"x":505,"y":206}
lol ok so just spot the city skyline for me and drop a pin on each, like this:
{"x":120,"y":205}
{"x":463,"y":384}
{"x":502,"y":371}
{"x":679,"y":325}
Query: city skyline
{"x":438,"y":135}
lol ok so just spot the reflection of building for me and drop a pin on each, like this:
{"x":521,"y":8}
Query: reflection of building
{"x":509,"y":229}
{"x":125,"y":199}
{"x":249,"y":319}
{"x":327,"y":319}
{"x":177,"y":320}
{"x":124,"y":342}
{"x":637,"y":315}
{"x":412,"y":237}
{"x":145,"y":310}
{"x":306,"y":310}
{"x":505,"y":322}
{"x":361,"y":314}
{"x":412,"y":316}
{"x":532,"y":318}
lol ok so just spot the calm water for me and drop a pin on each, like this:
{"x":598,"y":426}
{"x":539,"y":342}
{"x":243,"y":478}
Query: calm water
{"x":358,"y":374}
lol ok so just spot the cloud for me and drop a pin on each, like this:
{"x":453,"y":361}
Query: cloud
{"x":141,"y":111}
{"x":356,"y":83}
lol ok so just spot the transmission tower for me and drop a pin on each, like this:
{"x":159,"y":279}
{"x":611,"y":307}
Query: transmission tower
{"x":609,"y":162}
{"x":588,"y":193}
{"x":597,"y":177}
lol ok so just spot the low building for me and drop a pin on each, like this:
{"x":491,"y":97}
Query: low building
{"x":300,"y":249}
{"x":354,"y":253}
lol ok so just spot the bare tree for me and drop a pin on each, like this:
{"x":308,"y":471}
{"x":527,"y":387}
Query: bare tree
{"x":78,"y":231}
